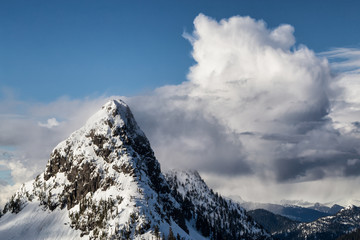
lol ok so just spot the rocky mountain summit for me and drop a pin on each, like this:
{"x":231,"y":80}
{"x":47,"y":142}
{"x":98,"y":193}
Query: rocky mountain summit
{"x":104,"y":182}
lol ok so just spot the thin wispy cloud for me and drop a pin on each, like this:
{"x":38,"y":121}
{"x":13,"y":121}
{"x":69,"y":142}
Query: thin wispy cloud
{"x":344,"y":59}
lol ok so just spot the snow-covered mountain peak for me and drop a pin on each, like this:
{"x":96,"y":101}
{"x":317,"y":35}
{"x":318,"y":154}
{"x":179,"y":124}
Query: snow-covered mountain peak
{"x":107,"y":177}
{"x":110,"y":142}
{"x":114,"y":112}
{"x":104,"y":182}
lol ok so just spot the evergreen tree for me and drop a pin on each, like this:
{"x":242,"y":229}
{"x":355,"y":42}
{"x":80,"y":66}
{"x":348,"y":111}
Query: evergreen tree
{"x":171,"y":235}
{"x":156,"y":232}
{"x":351,"y":236}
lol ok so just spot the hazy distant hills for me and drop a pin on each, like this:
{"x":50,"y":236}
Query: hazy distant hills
{"x":293,"y":212}
{"x":330,"y":210}
{"x":316,"y":221}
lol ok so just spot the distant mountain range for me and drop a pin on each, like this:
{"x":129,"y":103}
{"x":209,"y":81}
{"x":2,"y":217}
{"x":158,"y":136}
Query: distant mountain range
{"x":293,"y":212}
{"x":343,"y":225}
{"x":316,"y":221}
{"x":331,"y":227}
{"x":329,"y":210}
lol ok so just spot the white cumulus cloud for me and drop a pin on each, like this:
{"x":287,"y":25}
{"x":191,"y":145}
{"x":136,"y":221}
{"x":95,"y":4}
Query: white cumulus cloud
{"x":51,"y":122}
{"x":268,"y":104}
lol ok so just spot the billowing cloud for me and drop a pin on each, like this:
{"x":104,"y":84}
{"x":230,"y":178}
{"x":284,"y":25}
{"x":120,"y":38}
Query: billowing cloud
{"x":258,"y":116}
{"x":345,"y":111}
{"x":252,"y":84}
{"x":183,"y":137}
{"x":277,"y":108}
{"x":252,"y":81}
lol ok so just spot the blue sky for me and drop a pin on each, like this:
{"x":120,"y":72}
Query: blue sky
{"x":49,"y":49}
{"x":269,"y":100}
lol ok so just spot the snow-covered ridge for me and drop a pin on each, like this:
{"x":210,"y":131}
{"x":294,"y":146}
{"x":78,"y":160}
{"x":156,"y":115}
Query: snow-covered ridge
{"x":107,"y":178}
{"x":227,"y":219}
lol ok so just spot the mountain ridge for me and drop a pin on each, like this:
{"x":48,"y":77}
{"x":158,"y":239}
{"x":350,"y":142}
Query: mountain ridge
{"x":272,"y":222}
{"x":211,"y":210}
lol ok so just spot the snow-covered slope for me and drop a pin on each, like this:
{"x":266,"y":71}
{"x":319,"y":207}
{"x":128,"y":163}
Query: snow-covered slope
{"x":213,"y":215}
{"x":101,"y":182}
{"x":34,"y":222}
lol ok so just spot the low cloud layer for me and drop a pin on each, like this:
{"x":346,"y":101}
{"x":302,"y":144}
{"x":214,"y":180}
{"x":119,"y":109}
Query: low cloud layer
{"x":257,"y":112}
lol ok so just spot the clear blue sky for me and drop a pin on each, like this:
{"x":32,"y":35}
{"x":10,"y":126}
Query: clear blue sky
{"x":49,"y":49}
